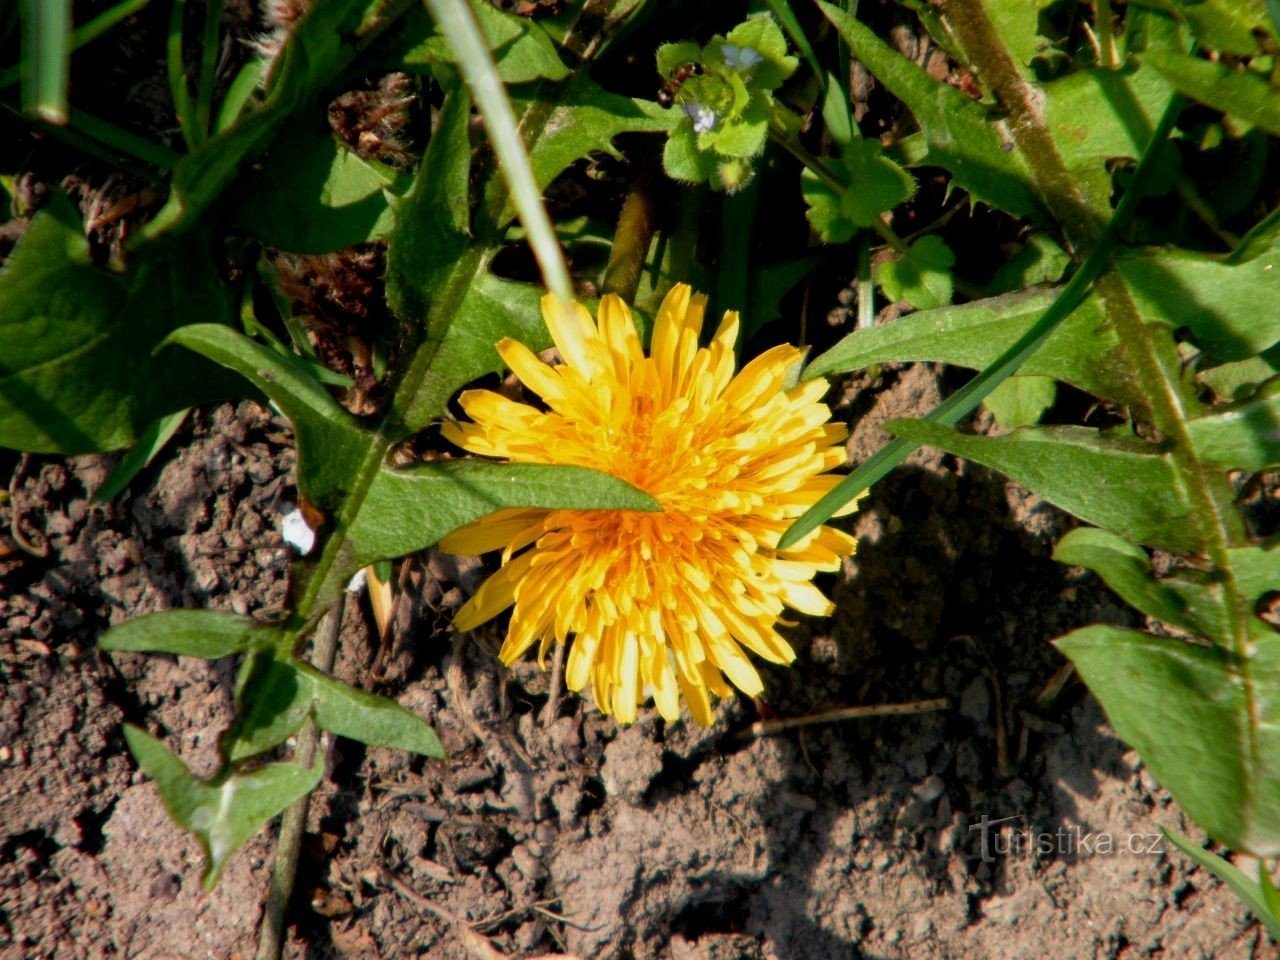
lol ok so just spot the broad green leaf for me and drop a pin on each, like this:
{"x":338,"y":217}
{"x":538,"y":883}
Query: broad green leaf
{"x":1022,"y":400}
{"x":959,"y":134}
{"x":1259,"y":897}
{"x":1118,"y":483}
{"x":1256,"y":570}
{"x":1219,"y":302}
{"x":521,"y":48}
{"x":1241,"y":436}
{"x":1227,"y":26}
{"x":1238,"y":380}
{"x":1097,"y":116}
{"x":671,"y":56}
{"x":331,"y":444}
{"x":413,"y":508}
{"x":1238,"y":92}
{"x":1206,"y":723}
{"x":276,"y":695}
{"x":227,"y":810}
{"x":921,"y":276}
{"x":1083,"y":351}
{"x":311,"y":194}
{"x":76,"y":371}
{"x":190,"y":633}
{"x":742,"y":137}
{"x":1017,"y":23}
{"x":1126,"y":569}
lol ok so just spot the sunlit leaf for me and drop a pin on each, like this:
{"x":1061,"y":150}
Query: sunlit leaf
{"x":1119,"y":483}
{"x":1022,"y":400}
{"x":921,"y":276}
{"x":191,"y":633}
{"x":227,"y":810}
{"x":1206,"y":723}
{"x":1239,"y":92}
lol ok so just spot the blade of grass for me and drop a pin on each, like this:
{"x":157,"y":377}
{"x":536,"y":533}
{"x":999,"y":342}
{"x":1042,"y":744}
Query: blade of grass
{"x":83,"y":34}
{"x":972,"y":393}
{"x":458,"y":25}
{"x":130,"y":144}
{"x":1233,"y":877}
{"x":836,"y":112}
{"x":46,"y":59}
{"x":208,"y":67}
{"x":177,"y":71}
{"x":238,"y":94}
{"x":150,"y":442}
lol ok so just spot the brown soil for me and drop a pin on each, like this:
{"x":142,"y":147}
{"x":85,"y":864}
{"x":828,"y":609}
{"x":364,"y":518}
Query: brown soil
{"x":843,"y":840}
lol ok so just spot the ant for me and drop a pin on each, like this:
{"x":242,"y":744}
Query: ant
{"x":667,"y":95}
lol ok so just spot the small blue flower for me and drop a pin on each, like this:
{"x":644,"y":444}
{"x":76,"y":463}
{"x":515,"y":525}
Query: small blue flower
{"x":704,"y":118}
{"x":740,"y":58}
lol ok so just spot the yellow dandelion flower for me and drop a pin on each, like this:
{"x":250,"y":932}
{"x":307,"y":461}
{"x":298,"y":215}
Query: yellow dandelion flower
{"x":667,"y":602}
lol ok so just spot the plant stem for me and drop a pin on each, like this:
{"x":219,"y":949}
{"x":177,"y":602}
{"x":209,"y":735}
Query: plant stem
{"x":1106,"y":37}
{"x":294,"y":824}
{"x":631,"y":240}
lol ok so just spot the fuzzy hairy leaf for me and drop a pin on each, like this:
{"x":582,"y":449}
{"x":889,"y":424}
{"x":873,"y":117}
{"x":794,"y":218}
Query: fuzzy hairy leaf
{"x":921,"y":276}
{"x":1119,"y":483}
{"x":1241,"y":436}
{"x":1021,"y":400}
{"x":521,"y":48}
{"x":227,"y":810}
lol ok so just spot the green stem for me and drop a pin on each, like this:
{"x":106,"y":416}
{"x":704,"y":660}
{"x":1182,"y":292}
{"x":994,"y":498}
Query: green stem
{"x":631,"y":241}
{"x":458,"y":24}
{"x":1106,"y":37}
{"x":208,"y":68}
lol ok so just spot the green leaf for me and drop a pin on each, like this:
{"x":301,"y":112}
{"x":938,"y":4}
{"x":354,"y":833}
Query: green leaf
{"x":1241,"y":436}
{"x":1118,"y":483}
{"x":1022,"y":400}
{"x":1126,"y":569}
{"x":76,"y":371}
{"x":1098,"y":116}
{"x":227,"y":810}
{"x":1082,"y":351}
{"x":1040,"y":261}
{"x":521,"y":48}
{"x":434,"y":218}
{"x":1017,"y":24}
{"x":762,"y":35}
{"x":1224,"y":25}
{"x":959,"y":135}
{"x":275,"y":696}
{"x":411,"y":509}
{"x":491,"y":308}
{"x":1206,"y":723}
{"x":331,"y":445}
{"x":583,"y":119}
{"x":190,"y":633}
{"x":683,"y":161}
{"x":1259,"y":897}
{"x":670,"y":56}
{"x":1256,"y":570}
{"x":876,"y":184}
{"x":311,"y":194}
{"x":1216,"y":300}
{"x":1244,"y":94}
{"x":921,"y":276}
{"x":1239,"y":380}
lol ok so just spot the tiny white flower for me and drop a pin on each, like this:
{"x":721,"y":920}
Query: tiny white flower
{"x":357,"y":583}
{"x":296,"y":533}
{"x":704,"y":118}
{"x":740,"y":58}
